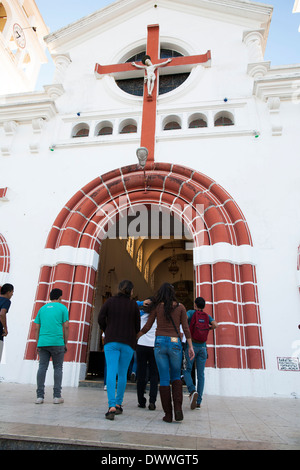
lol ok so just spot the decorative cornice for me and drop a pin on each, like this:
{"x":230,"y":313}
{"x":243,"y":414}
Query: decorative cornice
{"x":26,"y":107}
{"x":283,"y":87}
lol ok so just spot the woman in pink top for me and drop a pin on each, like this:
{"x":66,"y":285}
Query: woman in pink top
{"x":169,"y":315}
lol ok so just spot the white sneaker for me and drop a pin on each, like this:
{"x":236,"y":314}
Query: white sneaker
{"x":193,"y":400}
{"x":39,"y":401}
{"x":57,"y":401}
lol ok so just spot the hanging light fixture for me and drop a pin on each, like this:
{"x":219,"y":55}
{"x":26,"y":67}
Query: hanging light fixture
{"x":181,"y":290}
{"x":173,"y":268}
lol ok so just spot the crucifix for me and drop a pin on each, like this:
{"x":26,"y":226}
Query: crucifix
{"x":151,"y":64}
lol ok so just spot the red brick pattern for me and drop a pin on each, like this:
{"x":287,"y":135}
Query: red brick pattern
{"x":3,"y":192}
{"x":4,"y":255}
{"x":230,"y":289}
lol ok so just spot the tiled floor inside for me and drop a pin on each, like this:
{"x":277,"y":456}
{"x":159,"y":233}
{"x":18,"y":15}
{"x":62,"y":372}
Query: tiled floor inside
{"x":221,"y":422}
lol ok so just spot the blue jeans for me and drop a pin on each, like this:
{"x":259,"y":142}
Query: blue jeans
{"x":132,"y":366}
{"x":168,"y":356}
{"x":46,"y":352}
{"x":200,"y":358}
{"x":118,"y":357}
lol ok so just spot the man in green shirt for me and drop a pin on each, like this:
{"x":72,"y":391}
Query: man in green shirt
{"x":52,"y":331}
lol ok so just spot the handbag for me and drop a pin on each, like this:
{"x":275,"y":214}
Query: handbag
{"x":176,"y":329}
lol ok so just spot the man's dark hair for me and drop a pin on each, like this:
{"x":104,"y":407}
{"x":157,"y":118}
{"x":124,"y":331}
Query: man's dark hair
{"x":55,"y":294}
{"x":125,"y":287}
{"x":6,"y":288}
{"x":200,"y":302}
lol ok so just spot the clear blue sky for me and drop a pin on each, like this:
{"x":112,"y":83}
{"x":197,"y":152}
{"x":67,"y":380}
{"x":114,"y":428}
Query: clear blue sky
{"x":283,"y":44}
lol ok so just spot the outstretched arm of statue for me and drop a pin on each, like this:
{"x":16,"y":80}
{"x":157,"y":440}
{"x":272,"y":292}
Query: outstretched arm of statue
{"x":164,"y":63}
{"x":138,"y":66}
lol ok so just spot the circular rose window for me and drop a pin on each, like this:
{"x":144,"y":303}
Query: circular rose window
{"x":135,"y":86}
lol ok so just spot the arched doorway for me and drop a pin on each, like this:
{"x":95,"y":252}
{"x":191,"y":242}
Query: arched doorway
{"x":224,"y":272}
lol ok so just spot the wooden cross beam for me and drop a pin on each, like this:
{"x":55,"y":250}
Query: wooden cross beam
{"x":129,"y":69}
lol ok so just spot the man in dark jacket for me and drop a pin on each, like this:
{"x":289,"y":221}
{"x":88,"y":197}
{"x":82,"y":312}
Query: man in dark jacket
{"x":119,"y":318}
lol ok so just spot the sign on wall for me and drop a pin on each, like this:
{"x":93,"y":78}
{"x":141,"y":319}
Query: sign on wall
{"x":288,"y":364}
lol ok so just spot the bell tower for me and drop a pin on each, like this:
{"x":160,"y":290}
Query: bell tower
{"x":22,"y":49}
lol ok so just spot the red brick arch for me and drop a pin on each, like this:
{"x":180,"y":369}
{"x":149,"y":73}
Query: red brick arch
{"x":230,"y":289}
{"x":4,"y":259}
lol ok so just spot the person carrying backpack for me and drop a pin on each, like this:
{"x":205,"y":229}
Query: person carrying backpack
{"x":200,"y":324}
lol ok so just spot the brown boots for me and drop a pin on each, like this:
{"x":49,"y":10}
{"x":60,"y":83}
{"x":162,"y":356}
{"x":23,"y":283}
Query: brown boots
{"x":177,"y":399}
{"x":165,"y":396}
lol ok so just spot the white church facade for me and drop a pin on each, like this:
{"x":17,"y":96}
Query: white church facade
{"x":214,"y":209}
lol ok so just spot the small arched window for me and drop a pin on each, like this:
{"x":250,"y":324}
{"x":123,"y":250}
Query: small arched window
{"x":104,"y":128}
{"x":197,"y":123}
{"x":128,"y":127}
{"x":139,"y":259}
{"x":82,"y":133}
{"x":130,"y":246}
{"x":81,"y":130}
{"x":171,"y":123}
{"x":224,"y":119}
{"x":197,"y":120}
{"x":107,"y":130}
{"x":147,"y":271}
{"x":171,"y":126}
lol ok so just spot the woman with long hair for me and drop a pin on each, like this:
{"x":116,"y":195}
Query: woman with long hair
{"x":119,"y":318}
{"x":169,"y":315}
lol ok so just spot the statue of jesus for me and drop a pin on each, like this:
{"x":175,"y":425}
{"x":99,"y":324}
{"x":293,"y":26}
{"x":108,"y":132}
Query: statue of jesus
{"x":150,"y":71}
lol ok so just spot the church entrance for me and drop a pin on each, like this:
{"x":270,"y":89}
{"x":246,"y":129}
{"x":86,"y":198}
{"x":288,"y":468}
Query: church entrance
{"x":148,"y":258}
{"x":223,"y":259}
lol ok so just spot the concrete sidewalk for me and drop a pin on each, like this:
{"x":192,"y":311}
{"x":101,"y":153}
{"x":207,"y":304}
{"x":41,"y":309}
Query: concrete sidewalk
{"x":79,"y":423}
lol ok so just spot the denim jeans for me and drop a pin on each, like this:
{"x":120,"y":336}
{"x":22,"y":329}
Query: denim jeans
{"x":57,"y":354}
{"x":200,"y":358}
{"x":118,"y":357}
{"x":168,"y":356}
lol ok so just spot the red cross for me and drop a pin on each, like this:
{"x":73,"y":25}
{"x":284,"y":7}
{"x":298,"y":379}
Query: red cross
{"x":150,"y":104}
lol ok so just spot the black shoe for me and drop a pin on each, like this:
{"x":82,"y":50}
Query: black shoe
{"x":141,"y":406}
{"x":119,"y":410}
{"x":152,"y":406}
{"x":110,"y":415}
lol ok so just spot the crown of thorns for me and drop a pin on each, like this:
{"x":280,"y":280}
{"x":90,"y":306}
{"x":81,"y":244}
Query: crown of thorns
{"x":145,"y":58}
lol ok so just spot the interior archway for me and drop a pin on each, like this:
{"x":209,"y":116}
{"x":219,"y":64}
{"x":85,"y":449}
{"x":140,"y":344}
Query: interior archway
{"x":161,"y":260}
